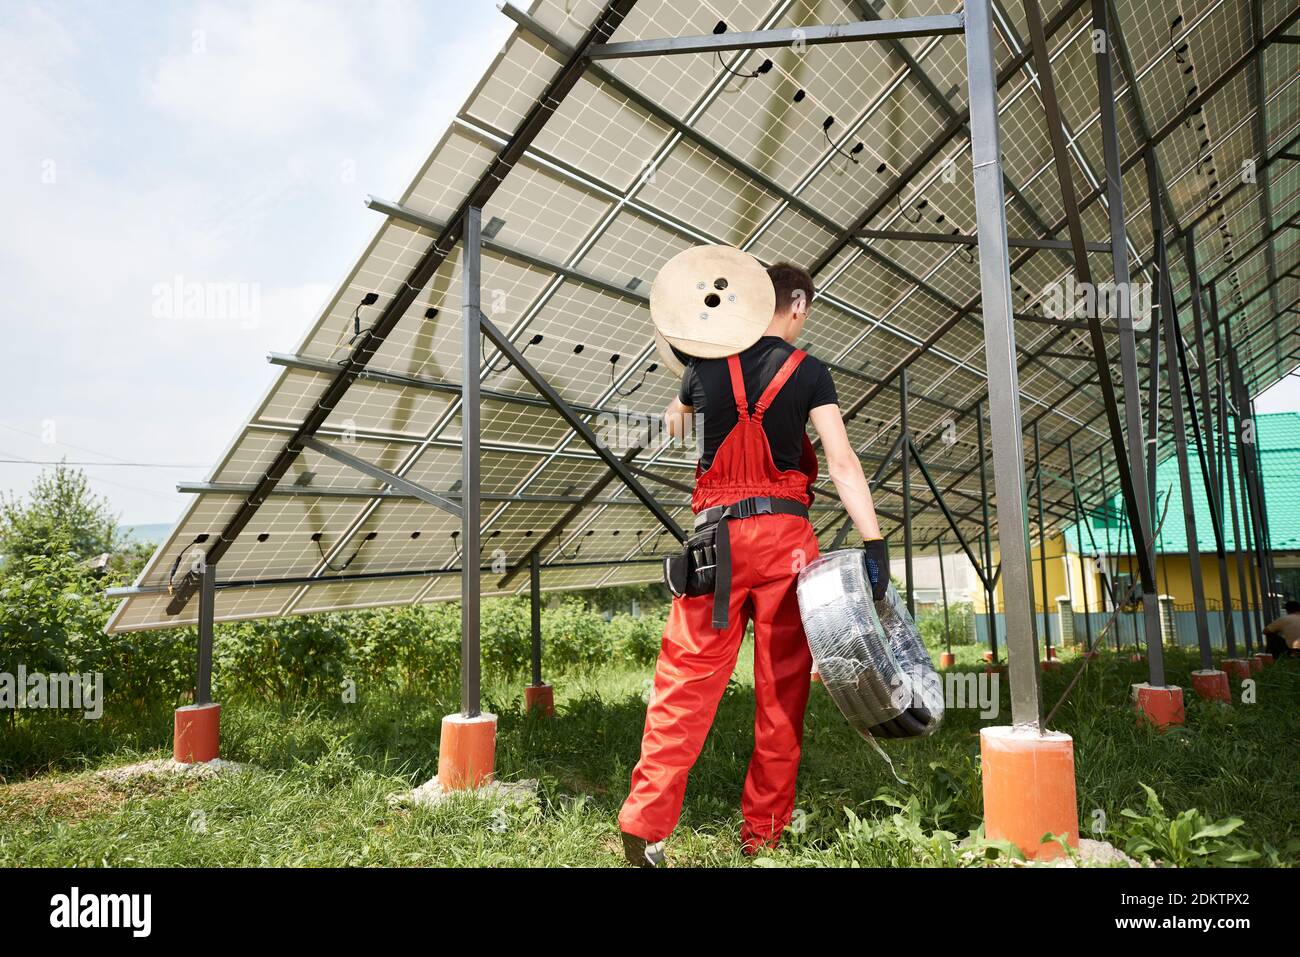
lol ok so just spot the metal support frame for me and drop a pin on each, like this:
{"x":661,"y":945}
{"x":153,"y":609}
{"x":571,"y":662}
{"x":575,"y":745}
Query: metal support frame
{"x":471,"y":519}
{"x":1130,"y":462}
{"x":405,"y":486}
{"x":982,"y":572}
{"x":1205,"y":443}
{"x":990,"y":592}
{"x":1240,"y":417}
{"x":1003,"y":371}
{"x":535,"y":606}
{"x":943,"y":596}
{"x":1247,"y":457}
{"x":905,"y":461}
{"x":961,"y":239}
{"x":1179,"y":425}
{"x":1257,"y":467}
{"x":207,"y":615}
{"x":1227,"y":482}
{"x":891,"y":29}
{"x":1042,"y":544}
{"x":1078,"y":534}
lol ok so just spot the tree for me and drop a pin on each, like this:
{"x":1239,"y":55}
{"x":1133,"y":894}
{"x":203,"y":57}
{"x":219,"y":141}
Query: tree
{"x":59,"y":508}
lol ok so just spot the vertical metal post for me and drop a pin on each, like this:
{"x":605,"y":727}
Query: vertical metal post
{"x":1042,"y":544}
{"x":1078,"y":533}
{"x":1245,"y":450}
{"x":1226,"y":462}
{"x":1140,"y":492}
{"x":207,"y":614}
{"x":1179,"y":428}
{"x":535,"y":593}
{"x":1108,"y":589}
{"x":470,"y":664}
{"x":1246,"y":459}
{"x":1002,"y":366}
{"x":905,"y":463}
{"x":990,"y":589}
{"x":1265,"y":537}
{"x":1205,"y":444}
{"x":943,"y":595}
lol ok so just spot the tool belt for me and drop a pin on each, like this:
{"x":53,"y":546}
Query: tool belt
{"x":704,"y":563}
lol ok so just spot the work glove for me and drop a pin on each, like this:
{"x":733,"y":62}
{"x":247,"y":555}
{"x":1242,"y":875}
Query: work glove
{"x":875,"y":555}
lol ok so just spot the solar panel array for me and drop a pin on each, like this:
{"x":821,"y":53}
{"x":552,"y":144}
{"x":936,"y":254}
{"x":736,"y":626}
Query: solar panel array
{"x":645,"y":157}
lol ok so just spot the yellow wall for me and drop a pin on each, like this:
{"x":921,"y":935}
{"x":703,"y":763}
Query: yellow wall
{"x":1173,"y":577}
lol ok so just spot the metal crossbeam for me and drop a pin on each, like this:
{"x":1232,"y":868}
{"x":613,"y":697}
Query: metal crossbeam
{"x":383,"y":475}
{"x":894,"y":29}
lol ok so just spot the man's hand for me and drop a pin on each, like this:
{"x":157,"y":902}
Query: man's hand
{"x":875,"y":555}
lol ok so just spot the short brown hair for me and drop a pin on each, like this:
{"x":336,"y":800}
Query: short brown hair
{"x":790,"y":283}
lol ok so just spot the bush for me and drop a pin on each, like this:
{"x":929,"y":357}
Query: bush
{"x":637,"y":640}
{"x":961,"y":617}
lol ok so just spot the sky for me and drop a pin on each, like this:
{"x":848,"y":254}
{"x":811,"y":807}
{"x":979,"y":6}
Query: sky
{"x":149,"y":145}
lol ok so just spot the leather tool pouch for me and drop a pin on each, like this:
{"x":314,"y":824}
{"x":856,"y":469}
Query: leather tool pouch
{"x":692,"y":571}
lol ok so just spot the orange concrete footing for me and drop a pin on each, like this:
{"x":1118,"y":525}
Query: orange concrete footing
{"x":1135,"y":657}
{"x":995,"y":669}
{"x":1049,"y":664}
{"x":1028,"y":789}
{"x":1236,"y":667}
{"x":1089,"y":655}
{"x":1051,"y":652}
{"x":196,"y":734}
{"x":988,"y":656}
{"x":815,"y":676}
{"x":467,"y":751}
{"x":1256,"y":665}
{"x":1163,"y":707}
{"x":1264,"y":659}
{"x":947,"y":659}
{"x":540,"y":699}
{"x":1212,"y":685}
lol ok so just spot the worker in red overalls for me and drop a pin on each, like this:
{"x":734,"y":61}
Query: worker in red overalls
{"x":754,"y":480}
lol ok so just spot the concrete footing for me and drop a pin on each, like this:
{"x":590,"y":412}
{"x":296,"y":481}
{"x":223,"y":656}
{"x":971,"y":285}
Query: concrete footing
{"x":467,"y":751}
{"x":196,"y":733}
{"x":1162,"y":707}
{"x":1212,"y":685}
{"x":1028,"y":781}
{"x":540,"y":700}
{"x":1236,"y":667}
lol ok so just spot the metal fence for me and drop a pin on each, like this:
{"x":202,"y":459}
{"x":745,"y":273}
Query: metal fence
{"x":1128,"y":627}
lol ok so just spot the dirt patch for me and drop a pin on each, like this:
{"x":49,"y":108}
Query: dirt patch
{"x":68,"y":799}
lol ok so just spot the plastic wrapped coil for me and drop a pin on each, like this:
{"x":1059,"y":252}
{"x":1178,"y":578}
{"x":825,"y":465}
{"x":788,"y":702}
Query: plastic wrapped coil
{"x":870,"y":655}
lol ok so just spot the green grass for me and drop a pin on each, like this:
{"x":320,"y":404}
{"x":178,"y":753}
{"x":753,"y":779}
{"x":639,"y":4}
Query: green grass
{"x":325,"y":773}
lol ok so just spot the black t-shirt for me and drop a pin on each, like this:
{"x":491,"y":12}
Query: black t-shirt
{"x":706,"y":386}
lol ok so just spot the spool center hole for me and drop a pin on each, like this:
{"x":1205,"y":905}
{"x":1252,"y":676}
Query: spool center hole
{"x":712,"y":300}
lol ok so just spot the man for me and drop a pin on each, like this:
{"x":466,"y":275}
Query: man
{"x":754,"y":480}
{"x":1284,"y":634}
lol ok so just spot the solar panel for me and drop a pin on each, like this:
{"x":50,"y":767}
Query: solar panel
{"x":644,"y":157}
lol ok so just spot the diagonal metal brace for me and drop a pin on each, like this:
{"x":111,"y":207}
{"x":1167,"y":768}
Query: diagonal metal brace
{"x":576,"y":422}
{"x":382,"y":475}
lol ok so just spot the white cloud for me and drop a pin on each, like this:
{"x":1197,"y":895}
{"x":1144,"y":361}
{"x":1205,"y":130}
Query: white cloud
{"x":269,"y":67}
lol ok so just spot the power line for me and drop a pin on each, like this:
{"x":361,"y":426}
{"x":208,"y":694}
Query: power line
{"x":134,"y":465}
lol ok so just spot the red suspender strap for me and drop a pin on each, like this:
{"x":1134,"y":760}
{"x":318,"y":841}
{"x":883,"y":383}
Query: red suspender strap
{"x":738,"y":386}
{"x":780,"y":379}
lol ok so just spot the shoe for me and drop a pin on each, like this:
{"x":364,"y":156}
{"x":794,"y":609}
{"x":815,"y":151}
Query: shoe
{"x":642,"y":853}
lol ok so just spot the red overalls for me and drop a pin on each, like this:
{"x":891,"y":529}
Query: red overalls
{"x":696,"y":660}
